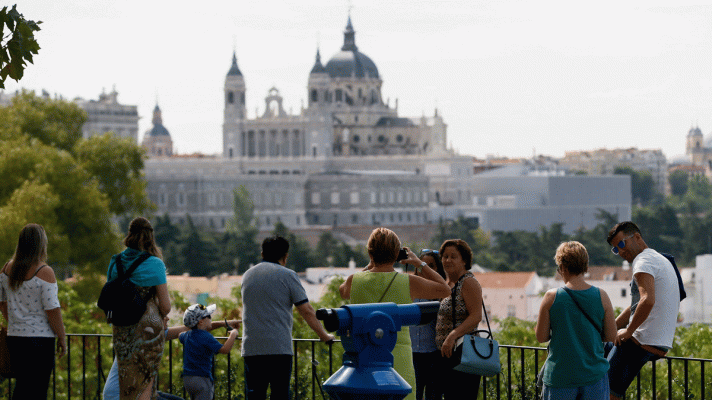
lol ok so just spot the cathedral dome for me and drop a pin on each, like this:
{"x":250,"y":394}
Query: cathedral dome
{"x":694,"y":131}
{"x":349,"y":61}
{"x":158,"y":129}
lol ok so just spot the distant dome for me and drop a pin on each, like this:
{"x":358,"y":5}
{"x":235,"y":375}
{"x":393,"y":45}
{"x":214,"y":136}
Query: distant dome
{"x":694,"y":131}
{"x":158,"y":128}
{"x":349,"y":61}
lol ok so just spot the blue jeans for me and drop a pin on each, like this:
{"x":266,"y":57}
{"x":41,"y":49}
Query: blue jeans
{"x":272,"y":370}
{"x":626,"y":361}
{"x":595,"y":391}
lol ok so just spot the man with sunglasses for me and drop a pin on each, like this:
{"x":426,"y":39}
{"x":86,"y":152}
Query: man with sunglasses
{"x":646,"y":328}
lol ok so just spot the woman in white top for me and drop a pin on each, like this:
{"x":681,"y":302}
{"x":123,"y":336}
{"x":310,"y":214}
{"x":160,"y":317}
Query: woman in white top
{"x":29,"y":303}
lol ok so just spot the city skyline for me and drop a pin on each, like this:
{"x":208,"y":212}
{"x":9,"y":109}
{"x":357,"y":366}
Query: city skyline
{"x":509,"y":78}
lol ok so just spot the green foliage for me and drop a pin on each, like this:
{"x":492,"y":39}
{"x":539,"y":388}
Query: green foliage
{"x":75,"y":188}
{"x":243,"y":230}
{"x":18,"y":45}
{"x":678,"y":182}
{"x":642,"y":185}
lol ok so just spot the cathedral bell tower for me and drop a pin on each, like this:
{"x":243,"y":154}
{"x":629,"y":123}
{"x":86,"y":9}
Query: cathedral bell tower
{"x":235,"y":111}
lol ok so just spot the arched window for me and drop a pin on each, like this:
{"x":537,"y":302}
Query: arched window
{"x":230,"y":97}
{"x":314,"y":96}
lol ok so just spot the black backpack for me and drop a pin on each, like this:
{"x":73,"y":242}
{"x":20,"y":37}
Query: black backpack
{"x":120,"y":298}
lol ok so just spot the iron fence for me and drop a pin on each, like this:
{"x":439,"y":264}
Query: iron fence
{"x":82,"y":372}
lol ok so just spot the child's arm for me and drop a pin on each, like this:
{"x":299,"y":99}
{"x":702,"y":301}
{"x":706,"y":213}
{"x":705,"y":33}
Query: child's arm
{"x":227,"y":346}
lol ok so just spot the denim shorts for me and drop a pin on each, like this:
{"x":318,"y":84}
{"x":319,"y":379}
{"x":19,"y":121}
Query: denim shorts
{"x":595,"y":391}
{"x":625,"y":362}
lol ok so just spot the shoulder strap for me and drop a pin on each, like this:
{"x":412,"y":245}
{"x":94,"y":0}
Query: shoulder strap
{"x":143,"y":257}
{"x":595,"y":325}
{"x":38,"y":270}
{"x":452,"y":301}
{"x":489,"y":329}
{"x":388,"y":287}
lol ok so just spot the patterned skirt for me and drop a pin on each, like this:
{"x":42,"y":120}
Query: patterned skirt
{"x":139,"y":349}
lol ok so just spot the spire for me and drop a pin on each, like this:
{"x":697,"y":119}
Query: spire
{"x":318,"y":66}
{"x":349,"y":39}
{"x":234,"y":70}
{"x":157,"y":119}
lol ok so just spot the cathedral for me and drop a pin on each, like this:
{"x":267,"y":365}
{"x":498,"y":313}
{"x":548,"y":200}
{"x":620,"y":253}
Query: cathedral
{"x":345,"y":116}
{"x":347,"y":161}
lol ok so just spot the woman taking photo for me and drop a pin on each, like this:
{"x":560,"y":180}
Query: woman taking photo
{"x":455,"y":319}
{"x":139,"y":347}
{"x":380,"y":282}
{"x":29,"y":303}
{"x":576,"y":318}
{"x":426,"y":356}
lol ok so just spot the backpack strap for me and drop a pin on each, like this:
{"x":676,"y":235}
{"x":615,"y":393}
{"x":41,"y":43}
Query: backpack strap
{"x":120,"y":266}
{"x":143,"y":257}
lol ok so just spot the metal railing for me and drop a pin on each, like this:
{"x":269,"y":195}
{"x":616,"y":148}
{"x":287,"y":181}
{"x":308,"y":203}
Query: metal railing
{"x":82,"y":372}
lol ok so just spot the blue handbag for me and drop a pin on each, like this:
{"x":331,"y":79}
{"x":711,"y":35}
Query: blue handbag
{"x":479,"y":355}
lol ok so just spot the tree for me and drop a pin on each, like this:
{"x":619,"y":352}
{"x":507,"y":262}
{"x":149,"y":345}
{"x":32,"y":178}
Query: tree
{"x":678,"y":182}
{"x":198,"y":254}
{"x":642,"y":185}
{"x":244,"y":230}
{"x":300,"y":255}
{"x":53,"y":177}
{"x":18,"y":46}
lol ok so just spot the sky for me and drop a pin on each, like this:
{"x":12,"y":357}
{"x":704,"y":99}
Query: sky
{"x":510,"y":78}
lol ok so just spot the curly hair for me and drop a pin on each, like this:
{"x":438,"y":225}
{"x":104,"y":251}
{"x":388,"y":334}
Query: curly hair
{"x":572,"y":256}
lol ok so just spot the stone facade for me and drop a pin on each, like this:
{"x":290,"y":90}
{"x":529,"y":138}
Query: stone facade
{"x":605,"y":161}
{"x":108,"y":115}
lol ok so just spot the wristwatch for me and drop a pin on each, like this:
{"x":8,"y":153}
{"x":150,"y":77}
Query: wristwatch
{"x":419,"y":268}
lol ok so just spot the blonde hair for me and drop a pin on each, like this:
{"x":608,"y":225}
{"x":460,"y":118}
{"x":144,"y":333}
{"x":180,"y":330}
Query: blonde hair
{"x":572,"y":256}
{"x":383,"y":246}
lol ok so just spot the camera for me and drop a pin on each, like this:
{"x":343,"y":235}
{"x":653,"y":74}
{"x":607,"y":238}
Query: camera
{"x":402,"y":255}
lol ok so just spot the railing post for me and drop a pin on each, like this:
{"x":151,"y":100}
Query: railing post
{"x":687,"y":391}
{"x":84,"y":367}
{"x":653,"y":381}
{"x":702,"y":379}
{"x":523,"y":387}
{"x":669,"y":378}
{"x":99,"y":366}
{"x":296,"y":368}
{"x":69,"y":367}
{"x":509,"y":373}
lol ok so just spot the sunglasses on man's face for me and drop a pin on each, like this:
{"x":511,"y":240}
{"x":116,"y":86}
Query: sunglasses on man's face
{"x":621,"y":244}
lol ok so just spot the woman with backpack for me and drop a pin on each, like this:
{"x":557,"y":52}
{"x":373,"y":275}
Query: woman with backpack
{"x":139,"y":346}
{"x":29,"y":303}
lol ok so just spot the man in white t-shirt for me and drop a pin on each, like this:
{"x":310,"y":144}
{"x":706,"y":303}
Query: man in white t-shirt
{"x":645,"y":329}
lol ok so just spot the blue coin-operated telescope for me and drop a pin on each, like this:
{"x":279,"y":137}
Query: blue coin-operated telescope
{"x":368,"y":333}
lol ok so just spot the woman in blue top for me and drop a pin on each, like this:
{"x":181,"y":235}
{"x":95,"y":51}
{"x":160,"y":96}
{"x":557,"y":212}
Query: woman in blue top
{"x":426,"y":355}
{"x":576,"y":367}
{"x":139,"y":347}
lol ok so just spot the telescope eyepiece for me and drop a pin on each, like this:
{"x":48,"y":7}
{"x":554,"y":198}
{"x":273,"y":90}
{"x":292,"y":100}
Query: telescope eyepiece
{"x":331,"y":320}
